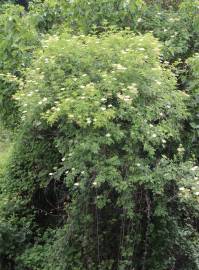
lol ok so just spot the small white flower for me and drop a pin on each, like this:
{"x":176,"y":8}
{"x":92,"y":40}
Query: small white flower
{"x":40,"y":102}
{"x":70,"y":154}
{"x":197,"y":193}
{"x":45,"y":99}
{"x":38,"y":123}
{"x":63,"y":159}
{"x":163,"y":141}
{"x":73,"y":169}
{"x":141,"y":49}
{"x":181,"y":188}
{"x":180,"y":149}
{"x":66,"y":172}
{"x":83,"y":172}
{"x":24,"y":112}
{"x":103,"y":99}
{"x":119,"y":67}
{"x":185,"y":94}
{"x":138,"y":164}
{"x":154,"y":135}
{"x":88,"y":120}
{"x":103,"y":108}
{"x":161,"y":114}
{"x":50,"y":173}
{"x":133,"y":89}
{"x":110,"y":106}
{"x":94,"y":183}
{"x":194,"y":168}
{"x":108,"y":135}
{"x":158,"y":82}
{"x":151,"y":125}
{"x":124,"y":98}
{"x":139,"y":20}
{"x":76,"y":184}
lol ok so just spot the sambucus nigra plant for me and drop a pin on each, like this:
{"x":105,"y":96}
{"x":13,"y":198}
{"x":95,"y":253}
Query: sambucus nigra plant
{"x":115,"y":117}
{"x":103,"y":173}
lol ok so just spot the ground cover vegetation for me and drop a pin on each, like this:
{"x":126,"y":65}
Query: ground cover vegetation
{"x":99,"y":135}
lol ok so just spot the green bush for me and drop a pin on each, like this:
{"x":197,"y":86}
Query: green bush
{"x":110,"y":116}
{"x":86,"y":17}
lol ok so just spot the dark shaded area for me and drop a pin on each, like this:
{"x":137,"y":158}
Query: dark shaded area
{"x":23,"y":3}
{"x":49,"y":203}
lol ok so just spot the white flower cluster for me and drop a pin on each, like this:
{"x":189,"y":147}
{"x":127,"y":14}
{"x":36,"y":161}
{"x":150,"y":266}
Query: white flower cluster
{"x":180,"y":149}
{"x":195,"y":168}
{"x":187,"y":190}
{"x":119,"y":67}
{"x":88,"y":120}
{"x":125,"y":98}
{"x":133,"y":89}
{"x":158,"y":82}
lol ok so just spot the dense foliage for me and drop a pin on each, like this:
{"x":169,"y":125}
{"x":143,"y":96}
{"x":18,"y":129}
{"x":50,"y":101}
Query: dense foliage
{"x":18,"y":38}
{"x":99,"y":149}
